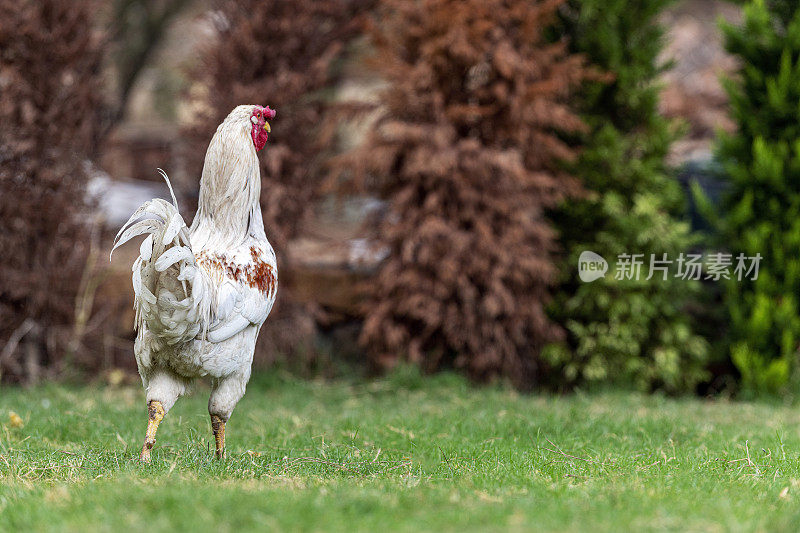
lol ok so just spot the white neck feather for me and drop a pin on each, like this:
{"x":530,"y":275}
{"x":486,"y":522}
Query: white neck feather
{"x":228,"y":208}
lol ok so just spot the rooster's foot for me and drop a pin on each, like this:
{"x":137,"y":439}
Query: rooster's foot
{"x":218,"y":426}
{"x":155,"y":412}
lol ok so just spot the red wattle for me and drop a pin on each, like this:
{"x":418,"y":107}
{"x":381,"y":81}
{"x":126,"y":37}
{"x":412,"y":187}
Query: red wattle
{"x":260,"y":136}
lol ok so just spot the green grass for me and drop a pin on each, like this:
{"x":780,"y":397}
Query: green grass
{"x":398,"y":454}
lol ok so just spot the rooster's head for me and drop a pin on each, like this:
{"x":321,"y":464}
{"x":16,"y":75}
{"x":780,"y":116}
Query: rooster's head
{"x":260,"y":130}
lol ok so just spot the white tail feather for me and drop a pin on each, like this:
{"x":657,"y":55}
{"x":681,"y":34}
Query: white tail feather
{"x":172,"y":256}
{"x":169,"y":184}
{"x":155,"y":284}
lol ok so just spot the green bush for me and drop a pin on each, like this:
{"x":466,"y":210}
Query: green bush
{"x":626,"y":332}
{"x":761,"y":162}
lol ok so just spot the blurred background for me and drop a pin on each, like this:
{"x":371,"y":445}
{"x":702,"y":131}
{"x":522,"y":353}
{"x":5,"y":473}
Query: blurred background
{"x":433,"y":173}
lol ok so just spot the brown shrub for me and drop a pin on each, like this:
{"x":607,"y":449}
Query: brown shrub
{"x":49,"y":105}
{"x":467,"y":155}
{"x":285,"y":54}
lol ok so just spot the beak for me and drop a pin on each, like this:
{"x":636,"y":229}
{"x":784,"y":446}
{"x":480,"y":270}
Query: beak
{"x":266,"y":127}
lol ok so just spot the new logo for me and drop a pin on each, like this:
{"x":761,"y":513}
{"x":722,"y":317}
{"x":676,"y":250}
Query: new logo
{"x":591,"y":266}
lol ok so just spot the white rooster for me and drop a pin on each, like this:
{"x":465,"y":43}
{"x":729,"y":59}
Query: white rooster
{"x":202,"y":293}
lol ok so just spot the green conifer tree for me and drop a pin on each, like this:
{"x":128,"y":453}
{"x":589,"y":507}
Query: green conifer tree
{"x":761,"y":212}
{"x":627,"y":332}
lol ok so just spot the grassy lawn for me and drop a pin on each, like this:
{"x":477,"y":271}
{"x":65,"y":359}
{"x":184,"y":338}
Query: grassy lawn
{"x":398,"y":454}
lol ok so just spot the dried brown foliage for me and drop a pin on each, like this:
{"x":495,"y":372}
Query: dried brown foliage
{"x":49,"y":104}
{"x":285,"y":54}
{"x":467,"y":155}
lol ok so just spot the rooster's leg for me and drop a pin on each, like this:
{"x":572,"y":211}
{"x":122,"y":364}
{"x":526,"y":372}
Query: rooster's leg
{"x":156,"y":412}
{"x":225,"y":394}
{"x":218,"y":426}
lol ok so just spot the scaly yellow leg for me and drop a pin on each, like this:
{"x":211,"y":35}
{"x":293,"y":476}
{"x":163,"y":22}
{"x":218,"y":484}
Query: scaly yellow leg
{"x":155,"y":412}
{"x":218,"y":426}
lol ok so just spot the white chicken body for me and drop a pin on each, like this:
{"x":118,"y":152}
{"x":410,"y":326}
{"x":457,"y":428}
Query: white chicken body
{"x":225,"y":340}
{"x":202,"y":293}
